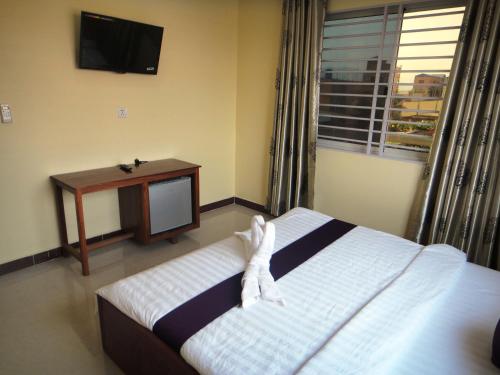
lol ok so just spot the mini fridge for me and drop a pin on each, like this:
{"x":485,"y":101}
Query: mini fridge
{"x":170,"y":204}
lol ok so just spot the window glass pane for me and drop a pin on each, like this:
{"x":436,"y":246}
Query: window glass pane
{"x":418,"y":77}
{"x":348,"y":76}
{"x":427,"y":50}
{"x":422,"y":75}
{"x":417,"y":118}
{"x":427,"y":63}
{"x":339,"y":88}
{"x":418,"y":105}
{"x":412,"y":123}
{"x":361,"y":66}
{"x":434,"y":11}
{"x":346,"y":111}
{"x":337,"y":29}
{"x":355,"y":124}
{"x":339,"y":22}
{"x":358,"y":53}
{"x":349,"y":100}
{"x":429,"y":36}
{"x":351,"y":110}
{"x":347,"y":89}
{"x":433,"y":19}
{"x":391,"y":27}
{"x":390,"y":40}
{"x":348,"y":135}
{"x":420,"y":139}
{"x":364,"y":40}
{"x":431,"y":22}
{"x":348,"y":65}
{"x":412,"y":102}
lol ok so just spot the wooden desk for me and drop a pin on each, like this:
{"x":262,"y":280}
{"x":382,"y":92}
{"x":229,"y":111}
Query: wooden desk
{"x":133,"y":192}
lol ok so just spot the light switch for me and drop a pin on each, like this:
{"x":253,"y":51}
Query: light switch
{"x":6,"y":114}
{"x":122,"y":112}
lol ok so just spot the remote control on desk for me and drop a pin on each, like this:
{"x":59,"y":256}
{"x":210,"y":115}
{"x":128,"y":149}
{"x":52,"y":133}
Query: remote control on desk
{"x":125,"y":168}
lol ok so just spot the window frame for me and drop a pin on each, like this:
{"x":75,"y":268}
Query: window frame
{"x":394,"y":11}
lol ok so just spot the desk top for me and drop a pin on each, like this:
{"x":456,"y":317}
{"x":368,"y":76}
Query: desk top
{"x":91,"y":179}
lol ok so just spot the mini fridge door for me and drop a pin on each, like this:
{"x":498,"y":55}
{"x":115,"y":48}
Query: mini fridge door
{"x":170,"y":204}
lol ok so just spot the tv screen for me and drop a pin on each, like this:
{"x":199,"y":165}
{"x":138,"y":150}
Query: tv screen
{"x":109,"y":43}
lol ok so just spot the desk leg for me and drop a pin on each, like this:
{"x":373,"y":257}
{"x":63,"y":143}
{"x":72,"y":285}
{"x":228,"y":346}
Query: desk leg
{"x":61,"y":218}
{"x":84,"y":255}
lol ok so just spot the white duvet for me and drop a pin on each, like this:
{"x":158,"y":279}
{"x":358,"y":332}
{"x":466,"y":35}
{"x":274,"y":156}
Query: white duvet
{"x":349,"y":308}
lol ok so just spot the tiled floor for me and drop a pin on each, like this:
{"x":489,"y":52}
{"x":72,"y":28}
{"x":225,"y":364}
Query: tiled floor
{"x":48,"y":313}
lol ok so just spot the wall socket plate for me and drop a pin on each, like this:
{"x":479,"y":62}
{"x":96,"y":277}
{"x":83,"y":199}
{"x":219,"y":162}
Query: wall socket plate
{"x":5,"y":114}
{"x":122,"y":112}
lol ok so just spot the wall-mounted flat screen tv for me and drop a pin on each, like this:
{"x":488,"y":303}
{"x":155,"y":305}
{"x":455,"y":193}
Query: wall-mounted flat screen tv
{"x":109,"y":43}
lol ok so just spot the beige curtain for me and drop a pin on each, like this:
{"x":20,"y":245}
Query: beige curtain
{"x":293,"y":146}
{"x":458,"y":198}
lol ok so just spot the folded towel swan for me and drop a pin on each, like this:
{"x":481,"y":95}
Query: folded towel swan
{"x":257,"y":280}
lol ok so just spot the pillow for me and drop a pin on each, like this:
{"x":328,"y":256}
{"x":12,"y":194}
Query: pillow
{"x":495,"y":356}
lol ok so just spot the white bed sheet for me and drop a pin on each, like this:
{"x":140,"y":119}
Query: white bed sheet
{"x":457,"y":338}
{"x":375,"y":337}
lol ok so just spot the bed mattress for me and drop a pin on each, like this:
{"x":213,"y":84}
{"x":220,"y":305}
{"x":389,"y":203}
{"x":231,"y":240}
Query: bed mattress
{"x":232,"y":343}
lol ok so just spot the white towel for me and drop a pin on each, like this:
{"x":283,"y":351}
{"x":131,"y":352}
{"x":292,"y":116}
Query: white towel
{"x":269,"y":289}
{"x":251,"y":291}
{"x":257,"y":232}
{"x":252,"y":241}
{"x":257,"y":280}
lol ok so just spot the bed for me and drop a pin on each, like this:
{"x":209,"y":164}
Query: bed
{"x":366,"y":302}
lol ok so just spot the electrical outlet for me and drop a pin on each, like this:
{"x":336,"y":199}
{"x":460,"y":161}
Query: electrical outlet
{"x":5,"y":114}
{"x":122,"y":112}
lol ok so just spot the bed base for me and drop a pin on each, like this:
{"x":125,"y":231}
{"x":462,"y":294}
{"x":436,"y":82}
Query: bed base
{"x":135,"y":349}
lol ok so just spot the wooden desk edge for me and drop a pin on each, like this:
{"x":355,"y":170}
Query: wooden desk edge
{"x":115,"y":184}
{"x":62,"y":185}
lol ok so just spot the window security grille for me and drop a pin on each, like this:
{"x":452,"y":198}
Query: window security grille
{"x":383,"y":78}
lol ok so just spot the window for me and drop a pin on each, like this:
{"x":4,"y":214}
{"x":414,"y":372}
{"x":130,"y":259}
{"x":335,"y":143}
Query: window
{"x":383,"y":77}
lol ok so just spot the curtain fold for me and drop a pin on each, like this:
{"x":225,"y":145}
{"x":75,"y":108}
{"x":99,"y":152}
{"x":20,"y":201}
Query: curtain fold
{"x":293,"y":145}
{"x":457,"y":200}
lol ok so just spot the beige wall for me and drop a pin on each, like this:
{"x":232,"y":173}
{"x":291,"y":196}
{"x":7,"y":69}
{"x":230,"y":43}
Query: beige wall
{"x":65,"y":118}
{"x":259,"y":34}
{"x":365,"y":190}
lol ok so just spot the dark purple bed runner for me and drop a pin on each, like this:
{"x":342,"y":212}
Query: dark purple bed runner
{"x":183,"y":322}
